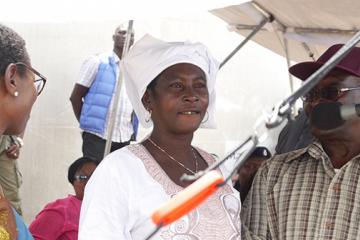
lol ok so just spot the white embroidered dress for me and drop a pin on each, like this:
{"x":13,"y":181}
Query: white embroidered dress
{"x":129,"y":185}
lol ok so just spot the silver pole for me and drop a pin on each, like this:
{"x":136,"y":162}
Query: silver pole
{"x":258,"y":28}
{"x":113,"y":111}
{"x":291,"y":79}
{"x":287,"y":55}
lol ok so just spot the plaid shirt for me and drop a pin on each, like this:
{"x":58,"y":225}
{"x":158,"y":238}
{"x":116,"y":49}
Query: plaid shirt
{"x":299,"y":195}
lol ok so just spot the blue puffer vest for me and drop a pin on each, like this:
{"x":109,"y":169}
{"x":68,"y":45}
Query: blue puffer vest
{"x":97,"y":101}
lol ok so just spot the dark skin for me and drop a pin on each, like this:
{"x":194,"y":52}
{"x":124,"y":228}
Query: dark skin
{"x":15,"y":111}
{"x":247,"y":173}
{"x":178,"y":103}
{"x":343,"y":143}
{"x":79,"y":186}
{"x":80,"y":91}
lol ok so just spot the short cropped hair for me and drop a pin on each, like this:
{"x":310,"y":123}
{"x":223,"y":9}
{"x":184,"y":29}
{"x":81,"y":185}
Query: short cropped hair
{"x":12,"y":49}
{"x":261,"y":152}
{"x":76,"y":165}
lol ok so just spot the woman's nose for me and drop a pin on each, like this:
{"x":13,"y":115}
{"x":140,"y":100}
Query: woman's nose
{"x":192,"y":98}
{"x":190,"y":95}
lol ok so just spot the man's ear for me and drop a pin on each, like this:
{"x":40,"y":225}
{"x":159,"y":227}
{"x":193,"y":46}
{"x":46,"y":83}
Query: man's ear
{"x":10,"y":80}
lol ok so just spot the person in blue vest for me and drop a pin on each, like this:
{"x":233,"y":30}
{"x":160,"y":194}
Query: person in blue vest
{"x":92,"y":100}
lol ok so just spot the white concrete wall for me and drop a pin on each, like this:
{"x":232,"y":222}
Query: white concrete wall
{"x":254,"y":80}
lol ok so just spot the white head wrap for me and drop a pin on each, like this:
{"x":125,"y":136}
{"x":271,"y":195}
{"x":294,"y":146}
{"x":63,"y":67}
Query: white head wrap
{"x":150,"y":56}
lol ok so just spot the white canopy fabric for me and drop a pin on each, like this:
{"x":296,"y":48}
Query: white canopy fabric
{"x":307,"y":26}
{"x":104,"y":10}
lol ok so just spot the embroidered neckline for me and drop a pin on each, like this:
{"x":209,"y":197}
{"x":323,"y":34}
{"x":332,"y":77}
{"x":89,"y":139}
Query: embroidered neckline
{"x":220,"y":208}
{"x":156,"y":171}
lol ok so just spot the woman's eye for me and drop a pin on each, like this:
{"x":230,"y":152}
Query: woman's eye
{"x":200,"y":85}
{"x":176,"y":85}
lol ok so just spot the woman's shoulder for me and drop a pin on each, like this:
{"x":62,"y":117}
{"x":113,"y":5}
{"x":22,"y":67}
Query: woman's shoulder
{"x":58,"y":208}
{"x":124,"y":160}
{"x":62,"y":203}
{"x":124,"y":154}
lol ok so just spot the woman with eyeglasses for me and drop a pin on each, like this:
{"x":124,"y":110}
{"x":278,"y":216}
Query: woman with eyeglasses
{"x":20,"y":84}
{"x":60,"y":219}
{"x":19,"y":89}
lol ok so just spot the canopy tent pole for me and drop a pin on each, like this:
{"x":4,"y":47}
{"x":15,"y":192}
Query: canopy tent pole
{"x":113,"y":111}
{"x":308,"y":50}
{"x":287,"y":56}
{"x":291,"y":79}
{"x":258,"y":28}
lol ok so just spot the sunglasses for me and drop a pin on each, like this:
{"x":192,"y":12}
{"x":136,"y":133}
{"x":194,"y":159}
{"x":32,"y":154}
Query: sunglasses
{"x":39,"y":81}
{"x":81,"y":178}
{"x":328,"y":93}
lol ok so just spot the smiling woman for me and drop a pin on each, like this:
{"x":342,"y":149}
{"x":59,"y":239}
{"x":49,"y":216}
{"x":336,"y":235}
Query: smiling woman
{"x":178,"y":96}
{"x":171,"y":87}
{"x":18,"y":86}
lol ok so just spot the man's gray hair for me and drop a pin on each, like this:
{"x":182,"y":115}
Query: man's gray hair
{"x":12,"y":48}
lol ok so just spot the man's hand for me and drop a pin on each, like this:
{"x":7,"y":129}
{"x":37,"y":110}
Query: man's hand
{"x":76,"y":99}
{"x":13,"y":151}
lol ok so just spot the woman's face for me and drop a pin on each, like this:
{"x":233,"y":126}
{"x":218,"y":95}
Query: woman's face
{"x":179,"y":99}
{"x":80,"y":182}
{"x":20,"y":106}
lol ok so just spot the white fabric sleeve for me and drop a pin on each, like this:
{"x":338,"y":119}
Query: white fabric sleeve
{"x":105,"y":208}
{"x":88,"y":71}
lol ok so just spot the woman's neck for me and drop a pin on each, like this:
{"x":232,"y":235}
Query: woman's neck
{"x":170,"y":141}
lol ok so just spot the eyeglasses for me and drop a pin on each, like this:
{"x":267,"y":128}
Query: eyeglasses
{"x":81,"y":178}
{"x":39,"y":81}
{"x":328,"y":93}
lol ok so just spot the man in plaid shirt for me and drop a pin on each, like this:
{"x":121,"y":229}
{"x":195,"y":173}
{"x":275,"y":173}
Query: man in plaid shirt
{"x":313,"y":193}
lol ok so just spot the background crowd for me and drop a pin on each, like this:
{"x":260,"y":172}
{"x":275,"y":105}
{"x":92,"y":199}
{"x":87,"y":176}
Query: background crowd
{"x":175,"y":95}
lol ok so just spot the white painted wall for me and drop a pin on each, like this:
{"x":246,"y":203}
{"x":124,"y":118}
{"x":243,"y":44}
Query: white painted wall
{"x":253,"y":81}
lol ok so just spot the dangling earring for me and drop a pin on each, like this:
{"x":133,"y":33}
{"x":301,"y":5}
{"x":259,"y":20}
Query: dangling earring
{"x":207,"y":117}
{"x":148,"y":117}
{"x":16,"y":93}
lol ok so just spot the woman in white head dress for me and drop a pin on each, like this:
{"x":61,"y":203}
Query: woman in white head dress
{"x":171,"y":87}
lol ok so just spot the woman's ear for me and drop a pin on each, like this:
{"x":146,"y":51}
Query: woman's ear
{"x":146,"y":99}
{"x":10,"y":81}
